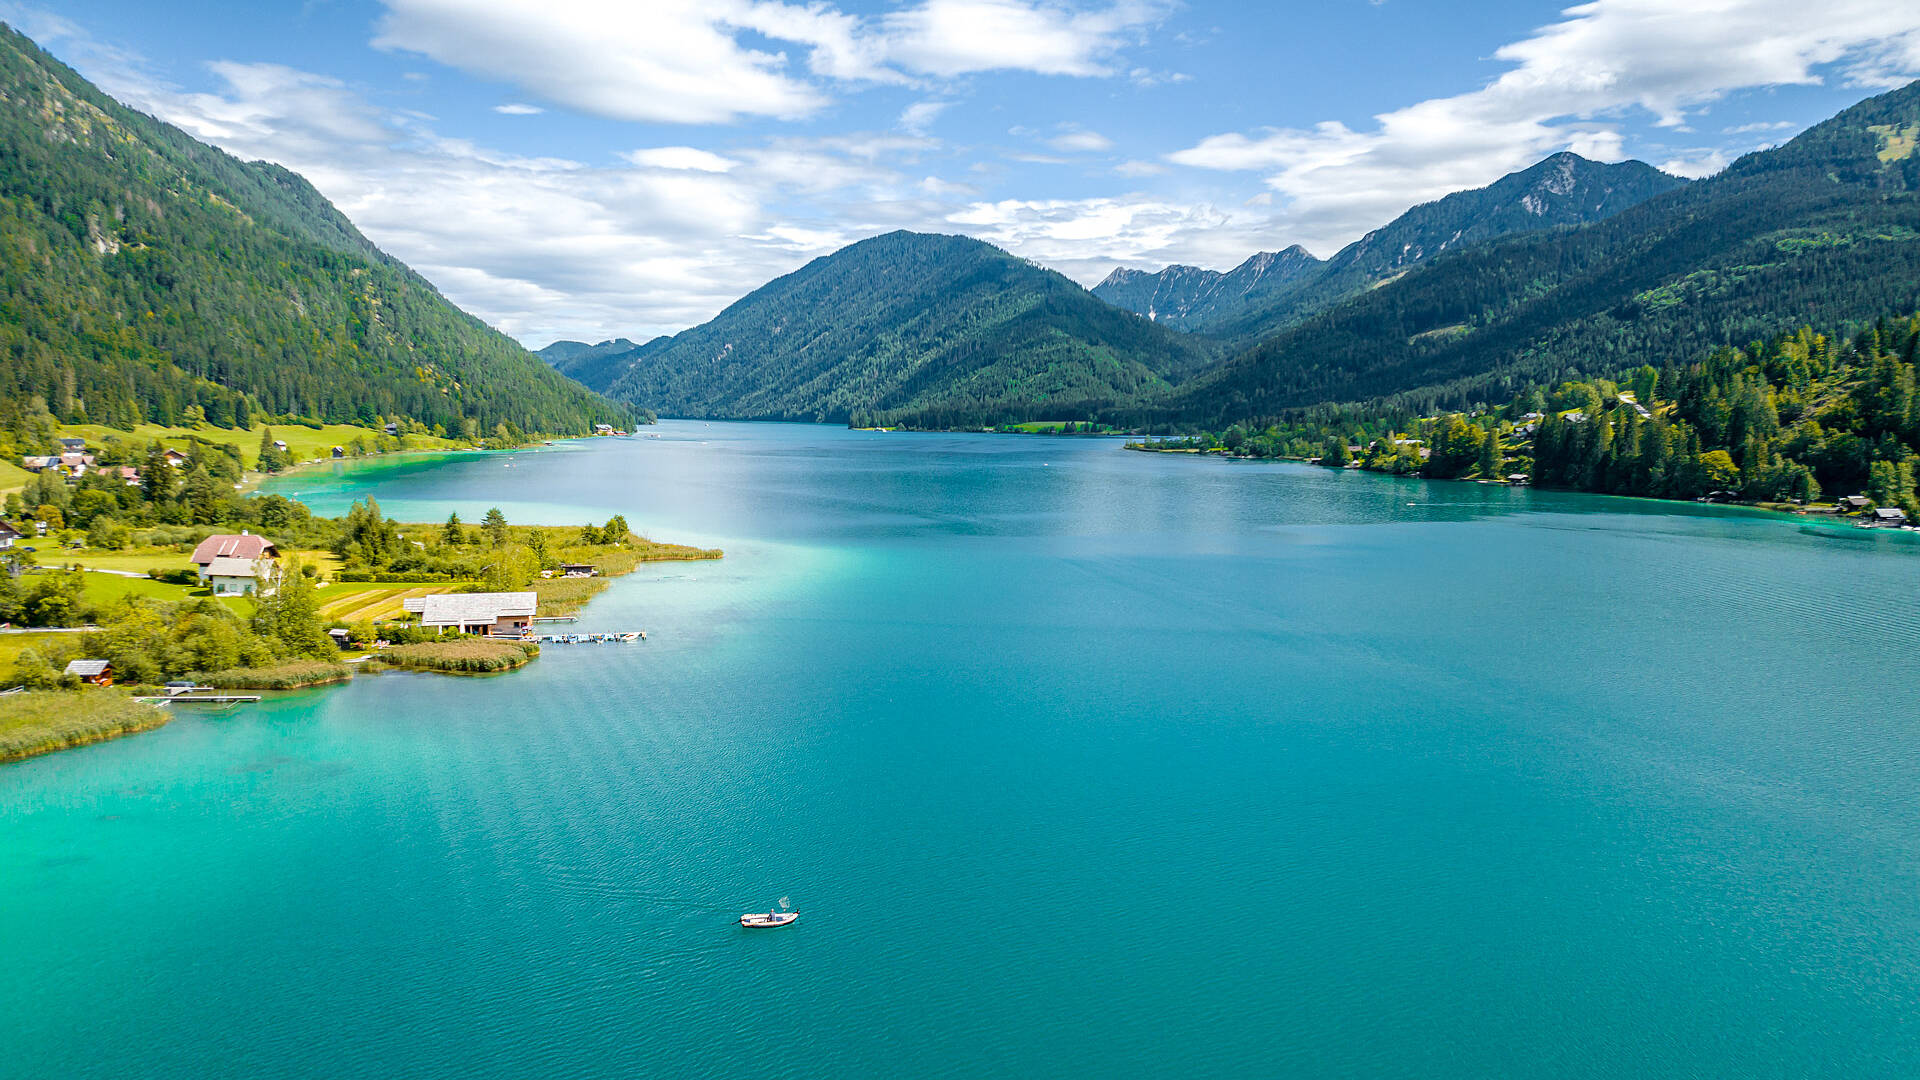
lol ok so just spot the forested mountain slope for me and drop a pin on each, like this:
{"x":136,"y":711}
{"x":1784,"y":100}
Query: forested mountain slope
{"x":1558,"y":192}
{"x":1820,"y":230}
{"x":1189,"y":298}
{"x":145,"y":276}
{"x":909,"y":328}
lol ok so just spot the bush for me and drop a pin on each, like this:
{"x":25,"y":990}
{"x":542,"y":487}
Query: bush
{"x":181,"y":576}
{"x":418,"y":577}
{"x":469,"y":656}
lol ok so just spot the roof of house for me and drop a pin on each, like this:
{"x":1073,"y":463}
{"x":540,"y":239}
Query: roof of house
{"x":232,"y":566}
{"x":73,"y":443}
{"x":8,"y":532}
{"x":1855,"y":500}
{"x":463,"y":609}
{"x":243,"y":546}
{"x":87,"y":669}
{"x":1885,"y":512}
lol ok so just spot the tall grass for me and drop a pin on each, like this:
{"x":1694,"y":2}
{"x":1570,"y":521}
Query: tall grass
{"x":467,"y":656}
{"x":36,"y":723}
{"x":291,"y":675}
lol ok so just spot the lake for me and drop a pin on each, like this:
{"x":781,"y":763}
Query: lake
{"x":1076,"y":762}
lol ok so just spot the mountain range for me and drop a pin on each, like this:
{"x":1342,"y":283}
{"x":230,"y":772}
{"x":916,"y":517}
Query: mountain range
{"x":1271,"y":290}
{"x":905,"y":328}
{"x":1566,"y":268}
{"x":145,"y":276}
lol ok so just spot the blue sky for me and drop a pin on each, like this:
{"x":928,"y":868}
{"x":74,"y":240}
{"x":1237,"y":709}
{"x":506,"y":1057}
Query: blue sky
{"x":597,"y":168}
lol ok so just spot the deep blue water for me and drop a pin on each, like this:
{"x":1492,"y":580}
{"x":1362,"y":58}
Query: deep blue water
{"x":1076,"y":762}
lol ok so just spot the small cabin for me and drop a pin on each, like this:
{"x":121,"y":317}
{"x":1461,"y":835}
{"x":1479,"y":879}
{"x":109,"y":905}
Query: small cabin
{"x":603,"y":429}
{"x":73,"y":446}
{"x":339,"y":451}
{"x":1852,"y":504}
{"x":8,"y":534}
{"x":94,"y":672}
{"x":578,"y":570}
{"x":280,"y":445}
{"x":1518,"y":478}
{"x":1890,"y":516}
{"x":175,"y":457}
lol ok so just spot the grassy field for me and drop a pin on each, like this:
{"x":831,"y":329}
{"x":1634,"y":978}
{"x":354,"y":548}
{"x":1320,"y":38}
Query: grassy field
{"x":352,"y":601}
{"x":12,"y":645}
{"x":303,"y":443}
{"x":104,"y":589}
{"x":467,"y":656}
{"x":37,"y":723}
{"x":12,"y":477}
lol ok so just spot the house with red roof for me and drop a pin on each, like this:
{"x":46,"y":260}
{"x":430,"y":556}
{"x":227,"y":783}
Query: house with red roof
{"x":231,"y":565}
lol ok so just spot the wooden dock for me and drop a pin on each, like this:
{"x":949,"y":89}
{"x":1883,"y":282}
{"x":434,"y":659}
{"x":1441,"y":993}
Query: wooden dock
{"x":625,"y":638}
{"x":201,"y":699}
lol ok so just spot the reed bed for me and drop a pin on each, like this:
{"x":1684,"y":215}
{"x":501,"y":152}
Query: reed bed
{"x":467,"y":656}
{"x":291,"y":675}
{"x":44,"y":721}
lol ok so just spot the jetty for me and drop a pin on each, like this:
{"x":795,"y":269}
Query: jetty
{"x":610,"y":638}
{"x":200,"y":699}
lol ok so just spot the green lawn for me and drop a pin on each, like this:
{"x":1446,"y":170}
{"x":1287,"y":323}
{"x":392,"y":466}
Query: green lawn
{"x":12,"y":477}
{"x":303,"y":443}
{"x":12,"y":645}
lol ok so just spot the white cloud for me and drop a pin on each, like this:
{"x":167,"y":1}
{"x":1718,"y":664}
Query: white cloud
{"x":686,"y":61}
{"x":1569,"y":86}
{"x":1080,"y":142}
{"x":1696,"y":164}
{"x":518,"y":109}
{"x":959,"y":37}
{"x":684,"y":158}
{"x":920,"y":115}
{"x":1086,"y":238}
{"x":1140,"y":168}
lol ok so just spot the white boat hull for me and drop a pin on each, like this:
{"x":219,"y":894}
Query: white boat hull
{"x":765,"y":919}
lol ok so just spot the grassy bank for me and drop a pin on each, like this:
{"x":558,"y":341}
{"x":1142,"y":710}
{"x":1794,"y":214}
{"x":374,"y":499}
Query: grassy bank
{"x":291,"y":675}
{"x":303,"y":443}
{"x":38,"y":723}
{"x":467,"y":656}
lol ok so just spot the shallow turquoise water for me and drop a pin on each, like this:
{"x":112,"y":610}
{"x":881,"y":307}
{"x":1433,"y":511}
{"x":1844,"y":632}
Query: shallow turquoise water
{"x":1077,"y":762}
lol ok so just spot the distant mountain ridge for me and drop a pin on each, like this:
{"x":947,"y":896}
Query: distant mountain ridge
{"x":1559,"y":191}
{"x":145,"y":276}
{"x":1190,"y":298}
{"x":913,"y":328}
{"x":1824,"y":229}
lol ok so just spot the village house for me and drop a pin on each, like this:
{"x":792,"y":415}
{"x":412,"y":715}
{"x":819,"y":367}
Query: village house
{"x":603,"y":429}
{"x":175,"y":458}
{"x":130,"y":475}
{"x":72,"y":446}
{"x":232,"y":565}
{"x":1852,"y":504}
{"x":97,"y":672}
{"x":34,"y":463}
{"x":339,"y":451}
{"x":503,"y":614}
{"x":1889,"y":516}
{"x":8,"y":534}
{"x":280,"y":445}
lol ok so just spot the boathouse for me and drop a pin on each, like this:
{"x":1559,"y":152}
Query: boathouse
{"x":97,"y":672}
{"x":578,"y":570}
{"x":501,"y":614}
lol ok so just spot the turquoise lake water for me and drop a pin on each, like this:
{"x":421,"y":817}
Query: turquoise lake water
{"x":1077,"y":762}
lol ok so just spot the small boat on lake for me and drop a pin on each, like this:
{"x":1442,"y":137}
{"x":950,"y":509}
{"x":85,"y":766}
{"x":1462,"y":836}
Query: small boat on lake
{"x":759,"y":920}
